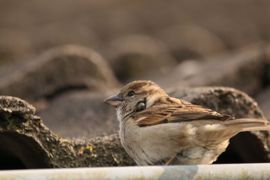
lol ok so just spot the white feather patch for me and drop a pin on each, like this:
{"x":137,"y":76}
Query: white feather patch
{"x":191,"y":130}
{"x":211,"y":127}
{"x":119,"y":114}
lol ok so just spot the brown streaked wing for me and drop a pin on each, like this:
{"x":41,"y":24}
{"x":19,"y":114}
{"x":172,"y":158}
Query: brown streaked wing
{"x":174,"y":113}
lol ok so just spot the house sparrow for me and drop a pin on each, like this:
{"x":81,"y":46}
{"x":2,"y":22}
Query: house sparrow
{"x":158,"y":129}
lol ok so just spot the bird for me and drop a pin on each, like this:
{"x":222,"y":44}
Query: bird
{"x":156,"y":129}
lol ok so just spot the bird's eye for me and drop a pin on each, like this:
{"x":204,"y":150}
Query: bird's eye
{"x":140,"y":106}
{"x":131,"y":93}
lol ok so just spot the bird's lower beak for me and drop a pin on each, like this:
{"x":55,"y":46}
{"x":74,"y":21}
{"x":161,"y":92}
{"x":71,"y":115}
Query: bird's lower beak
{"x":114,"y":100}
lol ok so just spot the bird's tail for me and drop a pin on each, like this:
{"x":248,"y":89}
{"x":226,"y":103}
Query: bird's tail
{"x":220,"y":132}
{"x":248,"y":124}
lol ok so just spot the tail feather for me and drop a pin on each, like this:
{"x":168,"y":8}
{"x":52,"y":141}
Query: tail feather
{"x":265,"y":128}
{"x":248,"y":124}
{"x":230,"y":128}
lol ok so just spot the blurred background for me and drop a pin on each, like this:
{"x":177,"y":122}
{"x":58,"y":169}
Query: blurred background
{"x":185,"y":29}
{"x":65,"y":56}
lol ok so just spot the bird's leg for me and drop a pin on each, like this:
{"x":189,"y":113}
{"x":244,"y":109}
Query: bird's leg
{"x":170,"y":160}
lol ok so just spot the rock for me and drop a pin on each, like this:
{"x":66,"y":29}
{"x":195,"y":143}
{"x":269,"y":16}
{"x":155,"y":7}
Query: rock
{"x":263,"y":99}
{"x":134,"y":57}
{"x":25,"y":142}
{"x":80,"y":114}
{"x":37,"y":147}
{"x":242,"y":70}
{"x":191,"y":42}
{"x":56,"y":71}
{"x":266,"y":78}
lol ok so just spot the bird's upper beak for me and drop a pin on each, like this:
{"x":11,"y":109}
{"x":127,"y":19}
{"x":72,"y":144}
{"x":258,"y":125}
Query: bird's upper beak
{"x":114,"y":100}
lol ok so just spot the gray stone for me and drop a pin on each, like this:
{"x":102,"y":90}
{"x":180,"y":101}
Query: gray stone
{"x":242,"y":70}
{"x":56,"y":71}
{"x":263,"y":99}
{"x":191,"y":42}
{"x":80,"y":114}
{"x":135,"y":57}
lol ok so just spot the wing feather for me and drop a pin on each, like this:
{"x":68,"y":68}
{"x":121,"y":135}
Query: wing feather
{"x":175,"y":113}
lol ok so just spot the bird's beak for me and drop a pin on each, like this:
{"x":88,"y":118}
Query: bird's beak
{"x":114,"y":100}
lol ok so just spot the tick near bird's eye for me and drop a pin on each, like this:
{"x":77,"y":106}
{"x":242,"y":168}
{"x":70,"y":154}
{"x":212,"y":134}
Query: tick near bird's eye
{"x":140,"y":106}
{"x":130,"y":93}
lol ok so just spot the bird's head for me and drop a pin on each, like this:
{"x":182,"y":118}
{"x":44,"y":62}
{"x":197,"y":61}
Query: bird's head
{"x":135,"y":96}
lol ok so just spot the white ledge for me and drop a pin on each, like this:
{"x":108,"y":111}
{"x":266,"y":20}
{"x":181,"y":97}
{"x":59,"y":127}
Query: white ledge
{"x":221,"y":171}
